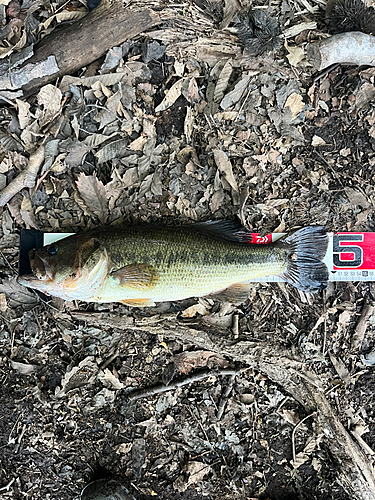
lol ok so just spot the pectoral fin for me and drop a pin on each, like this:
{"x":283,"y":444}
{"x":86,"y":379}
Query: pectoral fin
{"x":137,"y":276}
{"x":237,"y":293}
{"x":138,"y":302}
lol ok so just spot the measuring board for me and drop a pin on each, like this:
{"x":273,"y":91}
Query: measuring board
{"x":350,"y":256}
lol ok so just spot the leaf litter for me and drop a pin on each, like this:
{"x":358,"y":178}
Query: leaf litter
{"x":182,"y":125}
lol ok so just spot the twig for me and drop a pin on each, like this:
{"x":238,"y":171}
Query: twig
{"x":157,"y":389}
{"x":294,"y":433}
{"x":224,"y":399}
{"x":365,"y":447}
{"x":7,"y":486}
{"x":17,"y":447}
{"x":323,"y":73}
{"x":235,"y":324}
{"x":109,"y":360}
{"x":25,"y":179}
{"x":201,"y":426}
{"x":360,"y":329}
{"x":324,"y":323}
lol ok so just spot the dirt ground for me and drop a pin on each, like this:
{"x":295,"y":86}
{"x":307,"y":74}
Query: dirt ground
{"x":273,"y":398}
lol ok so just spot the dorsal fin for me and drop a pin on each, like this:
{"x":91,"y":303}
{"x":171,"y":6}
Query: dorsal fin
{"x":228,"y":230}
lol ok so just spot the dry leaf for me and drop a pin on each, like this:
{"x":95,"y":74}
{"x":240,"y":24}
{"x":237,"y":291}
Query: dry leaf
{"x":296,"y":56}
{"x":357,"y":198}
{"x":236,"y":94}
{"x":193,"y":310}
{"x":3,"y":302}
{"x":179,"y":68}
{"x":25,"y":179}
{"x":78,"y":376}
{"x":225,"y":167}
{"x":23,"y":113}
{"x":189,"y":360}
{"x":123,"y":448}
{"x":107,"y":378}
{"x":189,"y":124}
{"x":114,"y":149}
{"x":107,"y":80}
{"x":295,"y":104}
{"x":95,"y":140}
{"x":173,"y":94}
{"x":138,"y":144}
{"x":18,"y":295}
{"x":340,"y":368}
{"x":318,"y":141}
{"x":23,"y":368}
{"x":94,"y":195}
{"x":193,"y":92}
{"x":29,"y":218}
{"x":197,"y":471}
{"x":50,"y":98}
{"x":305,"y":455}
{"x":222,"y":82}
{"x":32,"y":169}
{"x":59,"y":17}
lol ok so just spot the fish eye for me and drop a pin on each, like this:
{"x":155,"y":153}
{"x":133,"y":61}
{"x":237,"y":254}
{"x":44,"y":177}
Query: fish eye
{"x":52,"y":250}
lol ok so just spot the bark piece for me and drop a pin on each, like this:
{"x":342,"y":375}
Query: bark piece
{"x":345,"y":48}
{"x":85,"y":41}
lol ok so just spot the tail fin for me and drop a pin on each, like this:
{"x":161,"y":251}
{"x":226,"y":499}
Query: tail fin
{"x":306,"y":249}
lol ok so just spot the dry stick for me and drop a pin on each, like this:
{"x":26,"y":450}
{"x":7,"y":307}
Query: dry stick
{"x":67,"y":50}
{"x":224,"y":399}
{"x":360,"y":329}
{"x":200,"y":425}
{"x":324,"y":323}
{"x":157,"y":389}
{"x":7,"y":486}
{"x":35,"y":162}
{"x":25,"y":179}
{"x":294,"y":433}
{"x":353,"y":47}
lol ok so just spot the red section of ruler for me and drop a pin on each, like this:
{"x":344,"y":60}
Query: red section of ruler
{"x":260,"y":240}
{"x":353,"y":251}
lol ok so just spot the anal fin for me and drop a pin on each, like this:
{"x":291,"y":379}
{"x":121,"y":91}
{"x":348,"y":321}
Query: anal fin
{"x":138,"y":302}
{"x":237,"y":293}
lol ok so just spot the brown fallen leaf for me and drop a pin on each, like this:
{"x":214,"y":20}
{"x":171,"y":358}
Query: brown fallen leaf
{"x":197,"y":471}
{"x":171,"y":97}
{"x":94,"y":194}
{"x":193,"y":91}
{"x":187,"y":361}
{"x":224,"y":165}
{"x":194,"y":310}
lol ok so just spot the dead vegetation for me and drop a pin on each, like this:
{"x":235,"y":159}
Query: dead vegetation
{"x":177,"y":122}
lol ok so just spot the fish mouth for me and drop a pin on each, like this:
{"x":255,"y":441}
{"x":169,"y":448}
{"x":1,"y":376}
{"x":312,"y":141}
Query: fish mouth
{"x":31,"y":279}
{"x":41,"y":269}
{"x":41,"y":275}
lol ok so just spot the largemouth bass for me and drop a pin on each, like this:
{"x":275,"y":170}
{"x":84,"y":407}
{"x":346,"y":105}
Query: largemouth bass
{"x":142,"y":264}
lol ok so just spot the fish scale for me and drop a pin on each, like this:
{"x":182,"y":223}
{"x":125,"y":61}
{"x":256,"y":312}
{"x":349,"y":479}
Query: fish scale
{"x":193,"y":263}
